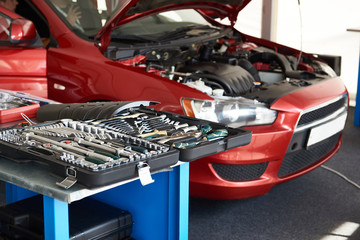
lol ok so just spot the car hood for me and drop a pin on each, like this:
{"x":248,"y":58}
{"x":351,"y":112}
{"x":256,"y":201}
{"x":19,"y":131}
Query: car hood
{"x":128,"y":10}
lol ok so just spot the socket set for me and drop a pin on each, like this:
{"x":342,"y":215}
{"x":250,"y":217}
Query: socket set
{"x":96,"y":144}
{"x":84,"y":153}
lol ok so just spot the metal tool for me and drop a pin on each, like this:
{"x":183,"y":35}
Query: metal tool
{"x":178,"y":136}
{"x":135,"y":115}
{"x":152,"y":134}
{"x":31,"y":135}
{"x":219,"y":133}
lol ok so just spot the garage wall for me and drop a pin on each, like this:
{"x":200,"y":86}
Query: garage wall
{"x":324,"y":30}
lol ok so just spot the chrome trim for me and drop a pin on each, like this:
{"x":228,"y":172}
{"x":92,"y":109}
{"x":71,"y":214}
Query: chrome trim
{"x":334,"y":115}
{"x":323,"y":104}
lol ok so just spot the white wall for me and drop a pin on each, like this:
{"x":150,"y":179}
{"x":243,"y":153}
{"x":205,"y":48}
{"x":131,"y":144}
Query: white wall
{"x":324,"y":30}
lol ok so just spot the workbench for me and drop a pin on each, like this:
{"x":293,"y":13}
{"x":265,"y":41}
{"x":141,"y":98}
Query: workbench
{"x":357,"y":101}
{"x":159,"y":210}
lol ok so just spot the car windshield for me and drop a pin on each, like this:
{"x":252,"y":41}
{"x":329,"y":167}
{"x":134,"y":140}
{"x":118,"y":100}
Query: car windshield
{"x":85,"y":16}
{"x":89,"y":16}
{"x":164,"y":26}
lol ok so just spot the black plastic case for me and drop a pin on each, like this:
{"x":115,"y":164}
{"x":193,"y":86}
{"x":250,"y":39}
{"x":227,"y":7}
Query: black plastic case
{"x":78,"y":173}
{"x":88,"y":219}
{"x":112,"y":123}
{"x":85,"y":111}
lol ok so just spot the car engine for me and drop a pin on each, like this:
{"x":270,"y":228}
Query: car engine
{"x":229,"y":67}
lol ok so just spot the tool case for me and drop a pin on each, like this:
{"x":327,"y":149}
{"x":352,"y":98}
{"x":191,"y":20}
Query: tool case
{"x":15,"y":105}
{"x":88,"y":220}
{"x":100,"y":143}
{"x":12,"y":107}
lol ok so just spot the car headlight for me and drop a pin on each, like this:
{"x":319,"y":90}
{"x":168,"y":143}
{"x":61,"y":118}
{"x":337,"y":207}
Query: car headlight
{"x":233,"y":112}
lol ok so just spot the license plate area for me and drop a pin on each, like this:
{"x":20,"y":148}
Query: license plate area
{"x":326,"y":130}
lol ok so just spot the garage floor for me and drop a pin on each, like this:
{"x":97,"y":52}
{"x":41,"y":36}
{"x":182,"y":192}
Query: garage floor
{"x":317,"y":206}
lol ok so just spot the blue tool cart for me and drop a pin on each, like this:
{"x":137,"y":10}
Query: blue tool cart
{"x":159,"y":210}
{"x":68,"y":160}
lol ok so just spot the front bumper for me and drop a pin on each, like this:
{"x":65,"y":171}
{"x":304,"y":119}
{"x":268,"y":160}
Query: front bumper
{"x":276,"y":154}
{"x":221,"y":185}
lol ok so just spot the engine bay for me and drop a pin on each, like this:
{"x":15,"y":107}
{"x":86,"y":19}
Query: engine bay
{"x":228,"y":66}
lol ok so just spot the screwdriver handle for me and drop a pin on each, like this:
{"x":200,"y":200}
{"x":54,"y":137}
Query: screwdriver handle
{"x":219,"y":133}
{"x":184,"y":145}
{"x":206,"y":129}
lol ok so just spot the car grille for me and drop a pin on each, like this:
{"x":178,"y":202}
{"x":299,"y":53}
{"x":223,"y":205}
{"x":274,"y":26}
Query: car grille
{"x":298,"y":155}
{"x":322,"y":112}
{"x":245,"y":172}
{"x":300,"y":159}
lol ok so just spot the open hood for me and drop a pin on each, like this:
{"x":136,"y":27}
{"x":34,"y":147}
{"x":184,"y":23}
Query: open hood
{"x":124,"y":11}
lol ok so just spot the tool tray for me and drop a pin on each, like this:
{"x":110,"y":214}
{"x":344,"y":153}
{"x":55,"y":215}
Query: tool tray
{"x":161,"y":121}
{"x":15,"y":105}
{"x":234,"y":137}
{"x":96,"y":144}
{"x":11,"y":107}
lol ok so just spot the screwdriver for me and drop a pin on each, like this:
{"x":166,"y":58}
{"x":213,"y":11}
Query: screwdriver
{"x":219,"y":133}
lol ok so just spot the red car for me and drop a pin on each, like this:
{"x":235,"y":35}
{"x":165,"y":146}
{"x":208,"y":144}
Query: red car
{"x":23,"y":57}
{"x":178,"y":53}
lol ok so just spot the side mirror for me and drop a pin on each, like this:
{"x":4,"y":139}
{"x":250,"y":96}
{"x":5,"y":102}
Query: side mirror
{"x":23,"y":32}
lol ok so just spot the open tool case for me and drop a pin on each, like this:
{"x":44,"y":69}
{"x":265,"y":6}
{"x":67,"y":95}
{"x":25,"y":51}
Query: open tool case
{"x":100,"y":143}
{"x":11,"y":107}
{"x":14,"y":105}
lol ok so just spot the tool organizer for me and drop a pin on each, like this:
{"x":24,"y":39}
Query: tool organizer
{"x":100,"y":143}
{"x":11,"y":107}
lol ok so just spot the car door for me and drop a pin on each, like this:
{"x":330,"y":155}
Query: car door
{"x":22,"y":56}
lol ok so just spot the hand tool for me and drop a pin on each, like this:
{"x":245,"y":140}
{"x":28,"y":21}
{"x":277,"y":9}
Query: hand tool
{"x":151,"y":124}
{"x":184,"y":129}
{"x":180,"y":136}
{"x":127,"y":148}
{"x":152,"y":134}
{"x":135,"y":115}
{"x":177,"y":126}
{"x":31,"y":135}
{"x":218,"y":133}
{"x":92,"y":149}
{"x":104,"y":148}
{"x":184,"y":145}
{"x":70,"y":156}
{"x":206,"y":128}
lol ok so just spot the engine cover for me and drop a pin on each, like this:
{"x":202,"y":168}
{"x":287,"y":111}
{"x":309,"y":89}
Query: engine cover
{"x":234,"y":79}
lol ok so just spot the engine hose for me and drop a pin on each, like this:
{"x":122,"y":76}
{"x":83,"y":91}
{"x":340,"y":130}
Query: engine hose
{"x":152,"y":65}
{"x":189,"y":79}
{"x":212,"y":84}
{"x":205,"y":53}
{"x":250,"y":68}
{"x":228,"y":89}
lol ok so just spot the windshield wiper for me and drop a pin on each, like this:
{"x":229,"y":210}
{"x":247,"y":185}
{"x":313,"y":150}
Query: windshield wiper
{"x":137,"y":38}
